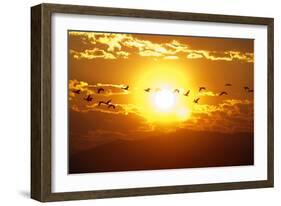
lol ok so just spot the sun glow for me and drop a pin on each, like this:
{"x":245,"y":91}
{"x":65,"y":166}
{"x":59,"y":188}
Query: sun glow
{"x":183,"y":113}
{"x":156,"y":96}
{"x":164,"y":99}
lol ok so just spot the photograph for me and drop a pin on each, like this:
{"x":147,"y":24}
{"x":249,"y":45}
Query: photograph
{"x":155,"y":101}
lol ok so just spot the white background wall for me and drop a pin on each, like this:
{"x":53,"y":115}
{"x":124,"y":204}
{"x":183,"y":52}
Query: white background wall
{"x":15,"y":102}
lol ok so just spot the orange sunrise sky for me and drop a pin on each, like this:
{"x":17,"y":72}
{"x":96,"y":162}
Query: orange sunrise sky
{"x":153,"y":82}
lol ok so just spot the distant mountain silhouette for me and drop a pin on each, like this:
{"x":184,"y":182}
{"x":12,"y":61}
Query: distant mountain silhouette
{"x":184,"y":150}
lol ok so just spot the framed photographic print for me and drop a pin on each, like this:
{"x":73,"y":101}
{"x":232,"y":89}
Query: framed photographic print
{"x":132,"y":102}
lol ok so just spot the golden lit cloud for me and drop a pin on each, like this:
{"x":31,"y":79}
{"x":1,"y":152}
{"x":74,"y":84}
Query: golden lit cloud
{"x":171,"y":57}
{"x":113,"y":41}
{"x":123,"y":54}
{"x":120,"y":109}
{"x":221,"y":56}
{"x":176,"y":47}
{"x":194,"y":56}
{"x":85,"y":37}
{"x":229,"y":113}
{"x":150,"y":53}
{"x":225,"y":117}
{"x":92,"y":54}
{"x":208,"y":93}
{"x":121,"y":45}
{"x":88,"y":89}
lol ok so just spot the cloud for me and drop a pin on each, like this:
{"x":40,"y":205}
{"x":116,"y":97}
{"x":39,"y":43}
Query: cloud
{"x":93,"y":125}
{"x":113,"y":41}
{"x":120,"y":109}
{"x":123,"y":109}
{"x":92,"y":128}
{"x":177,"y":47}
{"x":85,"y":36}
{"x":75,"y":84}
{"x":171,"y":57}
{"x":110,"y":90}
{"x":97,"y":127}
{"x":92,"y":89}
{"x":145,"y":45}
{"x":123,"y":54}
{"x":230,"y":116}
{"x":115,"y":46}
{"x":92,"y":54}
{"x":221,"y":56}
{"x":150,"y":53}
{"x":208,"y":93}
{"x":194,"y":55}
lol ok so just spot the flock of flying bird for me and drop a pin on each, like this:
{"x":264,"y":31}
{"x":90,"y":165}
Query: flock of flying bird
{"x":246,"y":88}
{"x":108,"y":103}
{"x":89,"y":98}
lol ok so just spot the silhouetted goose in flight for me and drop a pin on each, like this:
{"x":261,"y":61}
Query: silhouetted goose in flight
{"x":202,"y":88}
{"x":250,"y":90}
{"x":103,"y":102}
{"x":76,"y":91}
{"x":228,"y":85}
{"x":89,"y":98}
{"x":176,"y":91}
{"x":223,"y":93}
{"x":196,"y":100}
{"x":111,"y":105}
{"x":246,"y":88}
{"x":147,"y":90}
{"x":100,"y":90}
{"x":186,"y":93}
{"x":126,"y":87}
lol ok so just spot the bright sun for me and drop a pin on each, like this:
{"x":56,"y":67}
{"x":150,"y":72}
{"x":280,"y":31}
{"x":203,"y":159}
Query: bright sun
{"x":164,"y":99}
{"x":156,"y":97}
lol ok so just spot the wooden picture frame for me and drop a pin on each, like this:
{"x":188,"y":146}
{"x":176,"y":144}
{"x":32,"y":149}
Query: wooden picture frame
{"x":41,"y":95}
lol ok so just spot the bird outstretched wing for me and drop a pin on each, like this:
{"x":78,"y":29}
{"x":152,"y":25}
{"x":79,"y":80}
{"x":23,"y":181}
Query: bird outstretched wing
{"x":125,"y":87}
{"x":187,"y":93}
{"x":223,"y":93}
{"x":111,"y":105}
{"x":100,"y":90}
{"x":196,"y":100}
{"x":202,"y":88}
